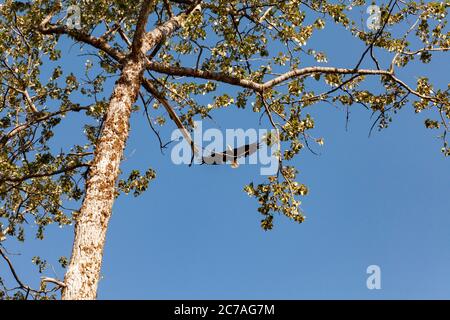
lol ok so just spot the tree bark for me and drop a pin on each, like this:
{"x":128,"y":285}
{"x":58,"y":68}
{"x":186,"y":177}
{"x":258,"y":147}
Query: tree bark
{"x":83,"y":273}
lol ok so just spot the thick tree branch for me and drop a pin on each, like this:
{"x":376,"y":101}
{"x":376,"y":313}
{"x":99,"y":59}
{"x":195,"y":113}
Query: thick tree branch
{"x":259,"y":87}
{"x":159,"y":33}
{"x":43,"y":174}
{"x":207,"y":75}
{"x":323,"y":70}
{"x":168,"y":28}
{"x":81,"y":36}
{"x":140,"y":35}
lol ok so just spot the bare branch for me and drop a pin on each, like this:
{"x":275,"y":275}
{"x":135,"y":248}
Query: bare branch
{"x":14,"y":273}
{"x":4,"y":139}
{"x":410,"y":90}
{"x":151,"y":89}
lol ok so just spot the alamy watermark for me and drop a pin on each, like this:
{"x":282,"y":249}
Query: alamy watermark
{"x":73,"y":17}
{"x":374,"y":279}
{"x":374,"y":20}
{"x":236,"y":147}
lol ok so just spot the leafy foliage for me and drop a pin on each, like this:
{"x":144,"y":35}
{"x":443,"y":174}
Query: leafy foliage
{"x":249,"y":44}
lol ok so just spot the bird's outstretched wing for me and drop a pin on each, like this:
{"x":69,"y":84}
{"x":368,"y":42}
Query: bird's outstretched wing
{"x":231,"y":155}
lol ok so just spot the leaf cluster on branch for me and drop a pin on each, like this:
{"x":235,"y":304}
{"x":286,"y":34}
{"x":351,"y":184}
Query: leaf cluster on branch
{"x":259,"y":48}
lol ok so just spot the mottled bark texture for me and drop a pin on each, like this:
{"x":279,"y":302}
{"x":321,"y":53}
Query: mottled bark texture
{"x":83,"y":273}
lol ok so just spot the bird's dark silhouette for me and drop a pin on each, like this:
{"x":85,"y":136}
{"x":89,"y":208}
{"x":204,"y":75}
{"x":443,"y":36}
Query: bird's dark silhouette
{"x":231,"y":155}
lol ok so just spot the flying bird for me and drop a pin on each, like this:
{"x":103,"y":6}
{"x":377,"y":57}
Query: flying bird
{"x":231,"y":155}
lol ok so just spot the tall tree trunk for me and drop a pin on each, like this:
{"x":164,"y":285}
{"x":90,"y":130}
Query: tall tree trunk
{"x":83,"y":273}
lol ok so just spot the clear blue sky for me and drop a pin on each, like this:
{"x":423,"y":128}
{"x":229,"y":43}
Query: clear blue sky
{"x":195,"y":234}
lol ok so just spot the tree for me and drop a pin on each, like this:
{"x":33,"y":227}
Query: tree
{"x":166,"y":54}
